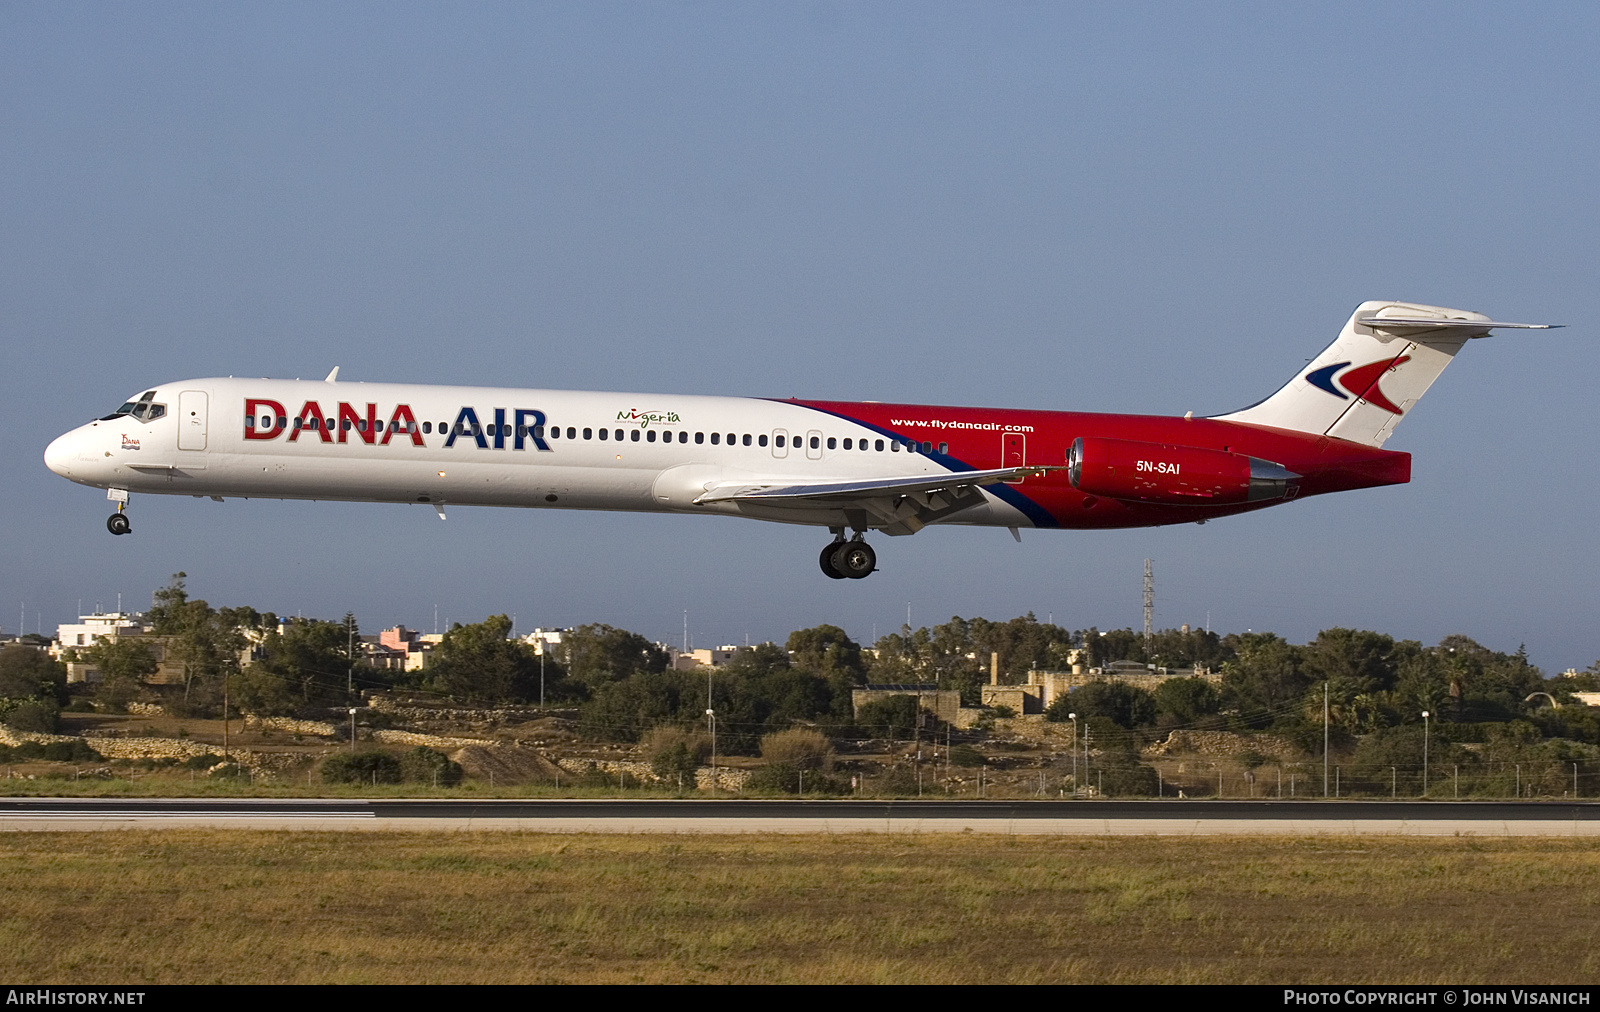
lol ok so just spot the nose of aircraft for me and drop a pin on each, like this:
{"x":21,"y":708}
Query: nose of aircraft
{"x":61,"y":454}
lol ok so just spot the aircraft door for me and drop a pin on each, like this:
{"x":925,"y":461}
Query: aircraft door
{"x":1013,"y":452}
{"x":192,"y":420}
{"x":780,"y":442}
{"x":814,"y":444}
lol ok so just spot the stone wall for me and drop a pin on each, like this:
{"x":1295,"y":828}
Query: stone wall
{"x":427,"y":740}
{"x":288,"y":725}
{"x":153,"y":748}
{"x":1226,"y":743}
{"x":726,"y":778}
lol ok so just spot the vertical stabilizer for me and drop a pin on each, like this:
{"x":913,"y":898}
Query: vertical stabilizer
{"x":1384,"y":360}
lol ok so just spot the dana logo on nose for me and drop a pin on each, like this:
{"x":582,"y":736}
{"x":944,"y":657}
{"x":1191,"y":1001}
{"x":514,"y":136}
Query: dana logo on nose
{"x":129,"y":443}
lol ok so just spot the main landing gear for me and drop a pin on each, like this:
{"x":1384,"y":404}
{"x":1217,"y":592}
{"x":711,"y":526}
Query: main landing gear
{"x":851,"y":559}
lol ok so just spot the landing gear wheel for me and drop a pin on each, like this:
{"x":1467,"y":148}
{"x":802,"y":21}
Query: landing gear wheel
{"x":117,"y":523}
{"x":854,"y":559}
{"x":827,"y":561}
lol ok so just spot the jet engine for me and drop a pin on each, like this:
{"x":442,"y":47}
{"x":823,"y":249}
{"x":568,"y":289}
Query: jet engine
{"x":1177,"y":475}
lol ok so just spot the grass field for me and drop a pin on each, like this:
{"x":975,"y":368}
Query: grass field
{"x":238,"y":907}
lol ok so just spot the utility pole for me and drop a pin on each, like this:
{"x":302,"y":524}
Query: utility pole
{"x":1324,"y":739}
{"x":350,"y":656}
{"x":1149,"y":608}
{"x":711,"y":715}
{"x":1425,"y":753}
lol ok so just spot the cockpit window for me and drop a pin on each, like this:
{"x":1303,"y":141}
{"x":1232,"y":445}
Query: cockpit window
{"x":145,"y":409}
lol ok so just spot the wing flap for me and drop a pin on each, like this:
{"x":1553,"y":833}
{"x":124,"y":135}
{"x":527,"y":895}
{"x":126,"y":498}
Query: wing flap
{"x":834,"y":492}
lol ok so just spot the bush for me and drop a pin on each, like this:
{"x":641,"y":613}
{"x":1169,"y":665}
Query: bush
{"x":423,"y":765}
{"x":370,"y":767}
{"x":32,"y":715}
{"x":791,"y":779}
{"x":1121,"y":776}
{"x":800,"y":748}
{"x":675,"y":764}
{"x":203,"y":762}
{"x":966,"y":755}
{"x":774,"y":777}
{"x":895,"y":781}
{"x":675,"y":753}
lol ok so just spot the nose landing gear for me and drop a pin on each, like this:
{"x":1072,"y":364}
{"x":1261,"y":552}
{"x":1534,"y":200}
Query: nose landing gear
{"x":117,"y":523}
{"x":853,"y":559}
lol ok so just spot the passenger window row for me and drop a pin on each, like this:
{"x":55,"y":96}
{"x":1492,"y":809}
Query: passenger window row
{"x":329,"y":424}
{"x":634,"y":435}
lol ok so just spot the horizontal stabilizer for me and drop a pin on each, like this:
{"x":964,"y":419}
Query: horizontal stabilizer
{"x":1457,"y":326}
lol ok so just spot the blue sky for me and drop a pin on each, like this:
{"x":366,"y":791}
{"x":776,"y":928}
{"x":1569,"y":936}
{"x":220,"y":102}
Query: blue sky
{"x":1126,"y":207}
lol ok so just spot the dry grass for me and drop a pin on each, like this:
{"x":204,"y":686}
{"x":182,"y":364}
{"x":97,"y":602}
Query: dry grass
{"x":236,"y":907}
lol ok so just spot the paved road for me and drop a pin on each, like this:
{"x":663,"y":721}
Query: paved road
{"x":1144,"y":818}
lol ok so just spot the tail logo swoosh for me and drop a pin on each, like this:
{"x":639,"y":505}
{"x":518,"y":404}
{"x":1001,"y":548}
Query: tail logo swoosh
{"x":1361,"y":381}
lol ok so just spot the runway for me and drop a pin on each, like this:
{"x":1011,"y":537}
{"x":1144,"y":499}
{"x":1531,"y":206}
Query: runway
{"x":725,"y":816}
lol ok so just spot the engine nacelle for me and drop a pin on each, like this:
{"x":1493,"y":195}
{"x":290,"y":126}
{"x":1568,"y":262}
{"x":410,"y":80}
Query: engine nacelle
{"x":1177,"y":475}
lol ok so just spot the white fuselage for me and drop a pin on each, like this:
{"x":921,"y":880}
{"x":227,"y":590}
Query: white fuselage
{"x":483,"y":446}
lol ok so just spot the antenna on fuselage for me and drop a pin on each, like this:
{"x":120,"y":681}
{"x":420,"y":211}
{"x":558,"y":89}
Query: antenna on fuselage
{"x":332,"y":376}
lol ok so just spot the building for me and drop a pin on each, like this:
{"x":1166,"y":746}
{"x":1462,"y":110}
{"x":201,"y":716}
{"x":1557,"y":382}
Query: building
{"x":73,"y":638}
{"x":942,"y":703}
{"x":1053,"y":684}
{"x":101,"y":625}
{"x":688,"y":660}
{"x":403,"y":649}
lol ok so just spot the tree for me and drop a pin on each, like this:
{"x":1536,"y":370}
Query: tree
{"x":623,"y":710}
{"x":890,"y":717}
{"x":827,"y":652}
{"x":301,"y":668}
{"x":1358,"y":667}
{"x":26,"y":672}
{"x":1115,"y":645}
{"x":1174,"y":648}
{"x":1126,"y":706}
{"x":956,"y":655}
{"x":597,"y":654}
{"x":124,"y":664}
{"x":1263,"y":682}
{"x":167,"y":607}
{"x":774,"y":693}
{"x":1185,"y":702}
{"x":205,"y":641}
{"x":479,"y":664}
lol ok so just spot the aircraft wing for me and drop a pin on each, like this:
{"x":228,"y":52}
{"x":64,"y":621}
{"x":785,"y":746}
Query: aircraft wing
{"x":895,"y":505}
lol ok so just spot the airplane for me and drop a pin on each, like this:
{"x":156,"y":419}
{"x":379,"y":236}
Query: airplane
{"x":858,"y":467}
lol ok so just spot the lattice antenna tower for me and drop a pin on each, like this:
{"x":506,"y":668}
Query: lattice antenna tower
{"x":1149,"y":606}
